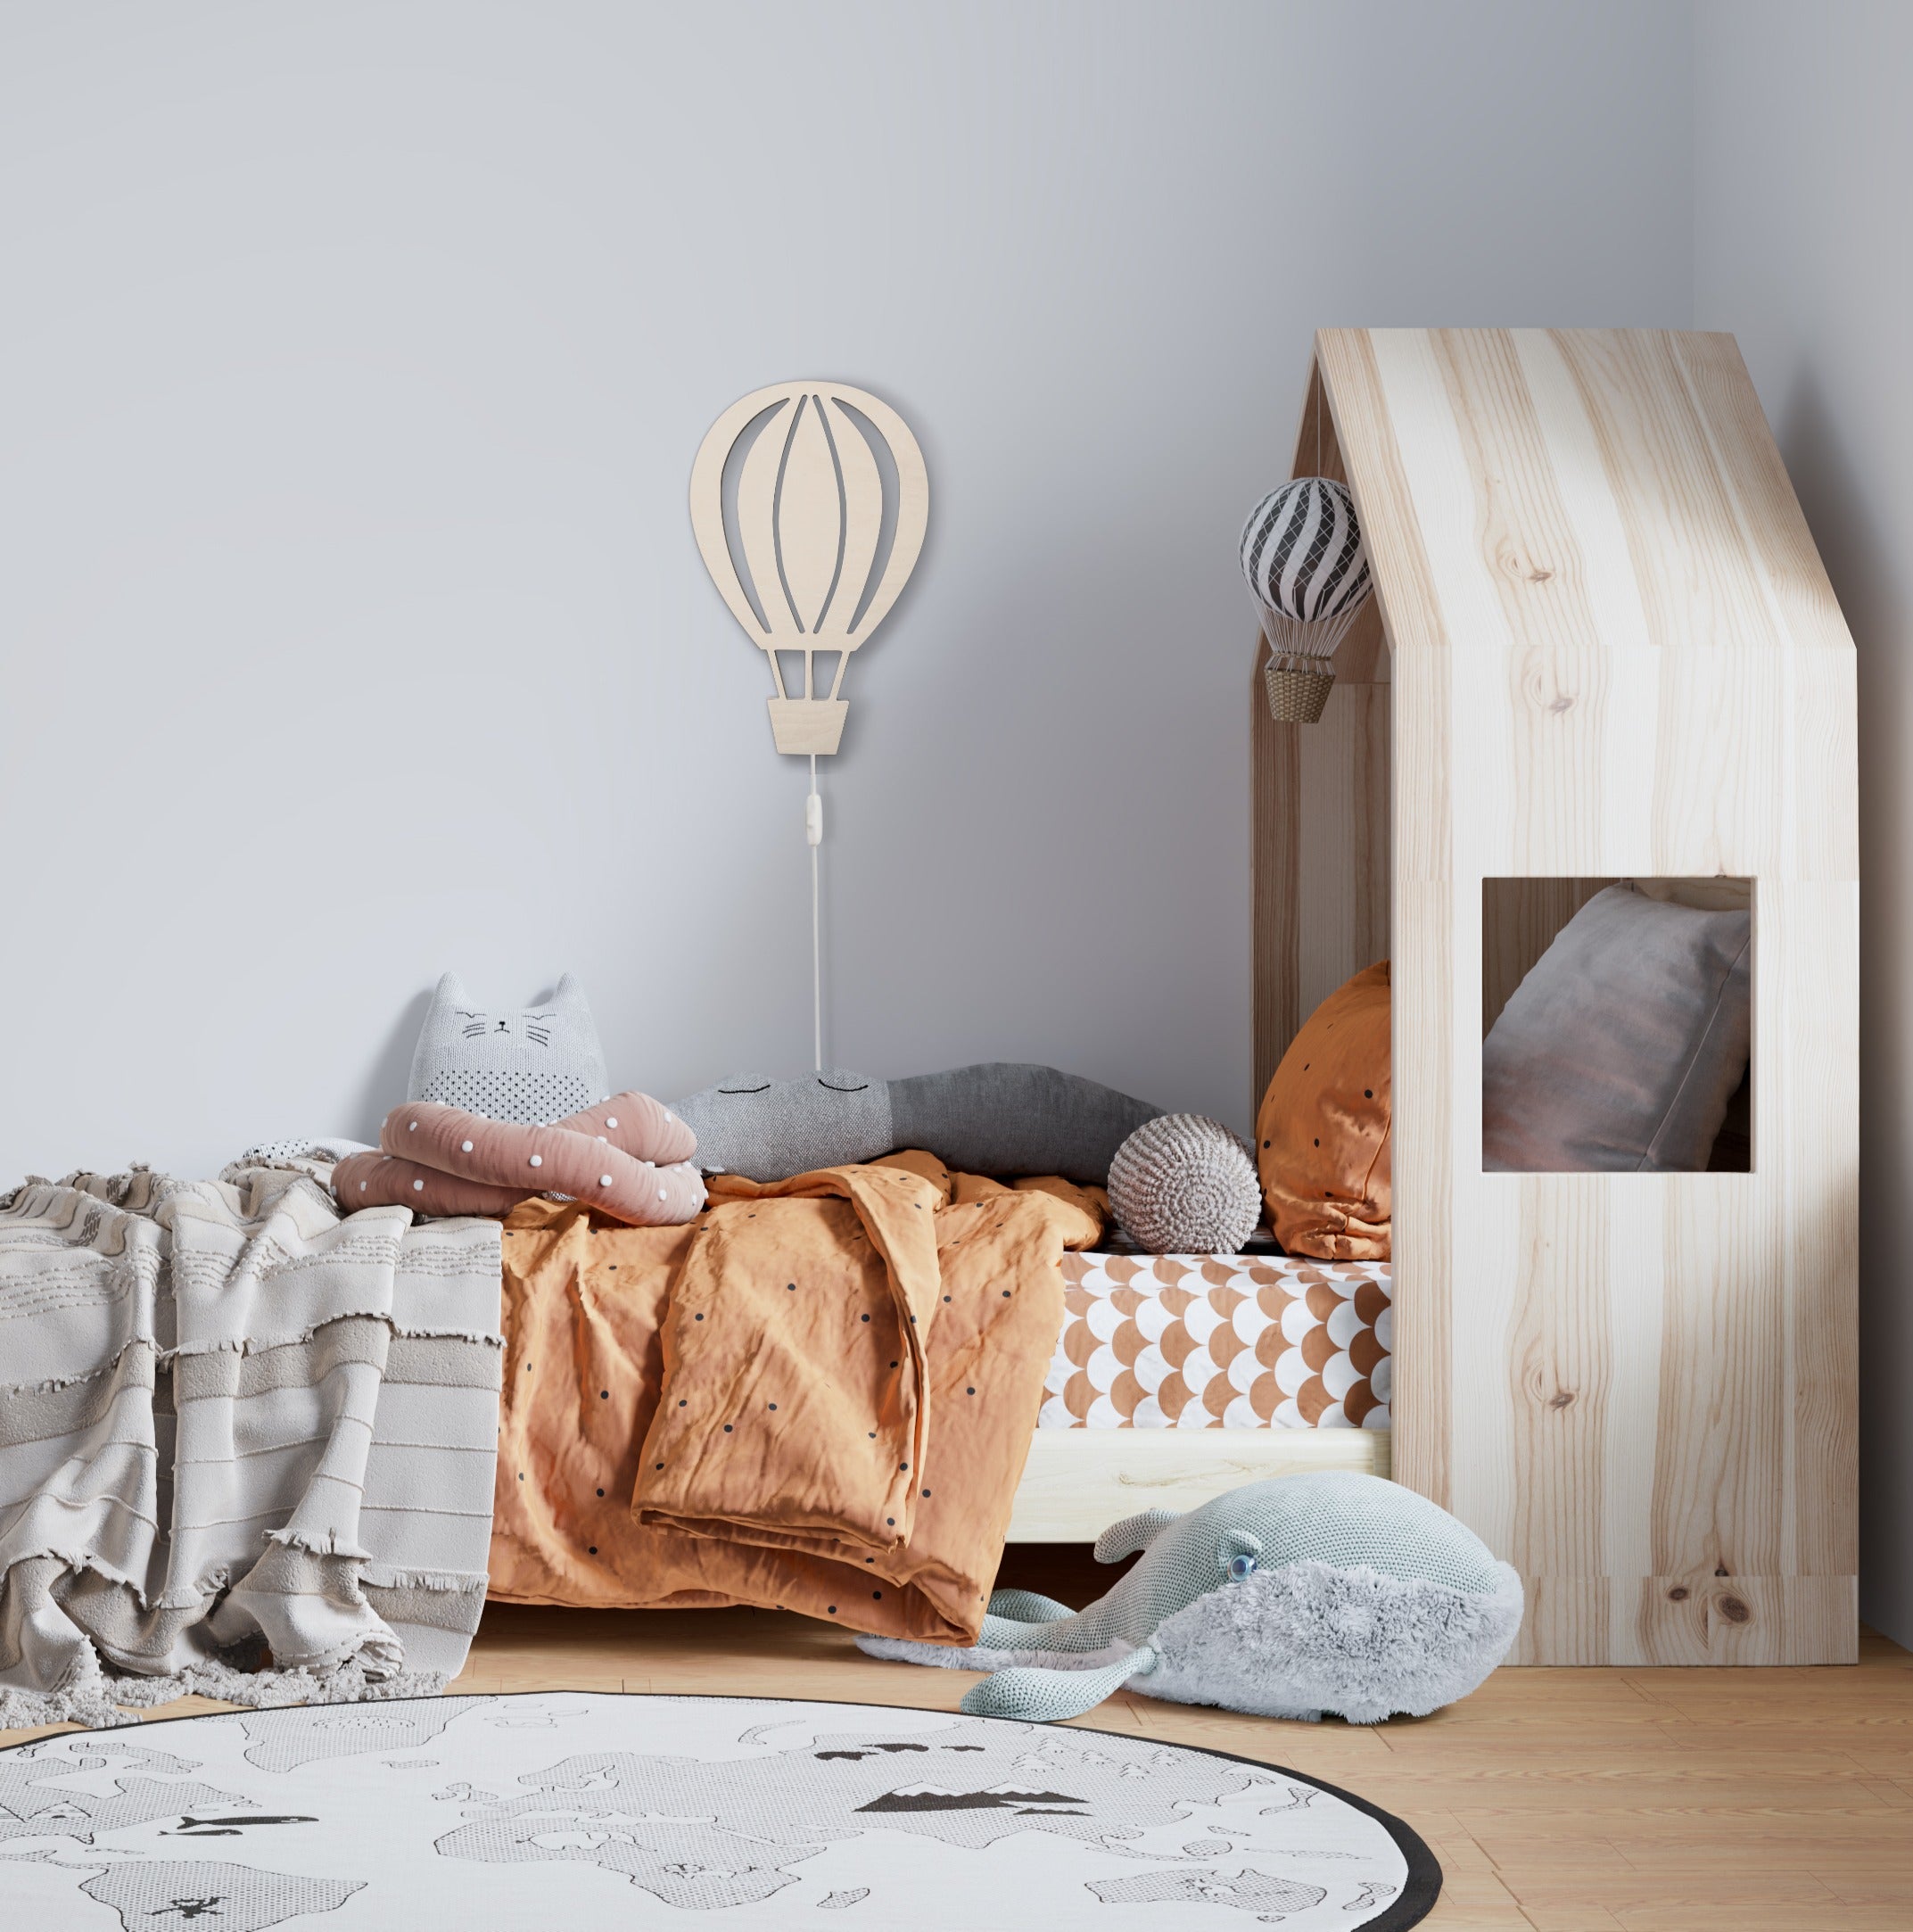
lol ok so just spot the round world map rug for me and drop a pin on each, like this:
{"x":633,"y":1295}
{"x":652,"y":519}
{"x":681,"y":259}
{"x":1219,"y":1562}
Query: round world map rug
{"x":584,"y":1809}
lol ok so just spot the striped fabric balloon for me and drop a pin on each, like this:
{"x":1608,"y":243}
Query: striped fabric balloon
{"x":1303,"y":556}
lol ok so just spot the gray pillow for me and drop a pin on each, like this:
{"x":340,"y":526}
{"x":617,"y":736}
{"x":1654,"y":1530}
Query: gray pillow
{"x":534,"y":1066}
{"x":1011,"y":1118}
{"x":1619,"y":1050}
{"x":767,"y":1130}
{"x":1000,"y":1117}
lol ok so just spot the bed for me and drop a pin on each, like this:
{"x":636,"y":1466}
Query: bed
{"x":842,"y":1392}
{"x":1177,"y":1376}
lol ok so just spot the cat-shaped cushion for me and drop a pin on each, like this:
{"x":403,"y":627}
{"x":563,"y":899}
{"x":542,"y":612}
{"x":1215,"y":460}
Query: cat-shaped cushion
{"x":532,"y":1067}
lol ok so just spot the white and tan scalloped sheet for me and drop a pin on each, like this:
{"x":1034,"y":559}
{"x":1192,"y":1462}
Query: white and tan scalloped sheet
{"x":1221,"y":1341}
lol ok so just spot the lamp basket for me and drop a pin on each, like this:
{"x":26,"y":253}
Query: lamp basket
{"x":1297,"y":688}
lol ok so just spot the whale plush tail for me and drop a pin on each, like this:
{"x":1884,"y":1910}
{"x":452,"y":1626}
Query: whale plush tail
{"x":1043,"y":1697}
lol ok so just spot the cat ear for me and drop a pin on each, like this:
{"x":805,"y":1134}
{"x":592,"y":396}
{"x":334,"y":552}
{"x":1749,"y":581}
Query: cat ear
{"x":450,"y":991}
{"x":571,"y":995}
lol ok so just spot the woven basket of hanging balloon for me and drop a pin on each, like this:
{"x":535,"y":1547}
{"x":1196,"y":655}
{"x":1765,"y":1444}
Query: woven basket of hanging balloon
{"x":1303,"y":557}
{"x":1297,"y":688}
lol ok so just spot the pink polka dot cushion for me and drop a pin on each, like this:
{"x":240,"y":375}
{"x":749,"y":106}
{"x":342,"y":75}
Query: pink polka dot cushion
{"x":628,"y":1156}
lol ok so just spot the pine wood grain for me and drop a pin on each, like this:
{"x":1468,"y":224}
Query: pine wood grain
{"x":1556,"y":1800}
{"x":1319,"y":816}
{"x":1615,"y":653}
{"x":1077,"y":1481}
{"x":808,"y":505}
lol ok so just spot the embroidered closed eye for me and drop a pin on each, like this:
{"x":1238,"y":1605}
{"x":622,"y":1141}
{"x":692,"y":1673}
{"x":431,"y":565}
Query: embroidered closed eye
{"x":539,"y":1064}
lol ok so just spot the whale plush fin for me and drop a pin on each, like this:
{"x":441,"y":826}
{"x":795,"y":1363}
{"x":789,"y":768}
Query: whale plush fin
{"x":1133,"y":1533}
{"x":1026,"y":1607}
{"x":1043,"y":1697}
{"x":943,"y":1656}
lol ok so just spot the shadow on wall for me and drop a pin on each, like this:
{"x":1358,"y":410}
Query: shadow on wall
{"x":391,"y":1072}
{"x":1859,"y":558}
{"x":1024,"y":701}
{"x":386,"y":1079}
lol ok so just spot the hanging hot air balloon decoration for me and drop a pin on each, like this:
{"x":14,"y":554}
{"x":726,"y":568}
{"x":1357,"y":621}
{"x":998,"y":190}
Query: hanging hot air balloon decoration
{"x":1303,"y":555}
{"x":794,"y":469}
{"x":808,"y":507}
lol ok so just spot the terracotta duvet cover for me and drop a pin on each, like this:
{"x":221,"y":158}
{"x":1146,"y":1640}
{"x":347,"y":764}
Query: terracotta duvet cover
{"x":817,"y":1396}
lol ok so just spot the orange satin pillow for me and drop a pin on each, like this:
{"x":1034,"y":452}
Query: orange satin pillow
{"x":1322,"y":1137}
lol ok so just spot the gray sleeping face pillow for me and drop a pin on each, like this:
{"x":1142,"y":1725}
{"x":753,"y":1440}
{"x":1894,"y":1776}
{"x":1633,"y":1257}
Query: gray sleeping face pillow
{"x":767,"y":1130}
{"x":1000,"y":1117}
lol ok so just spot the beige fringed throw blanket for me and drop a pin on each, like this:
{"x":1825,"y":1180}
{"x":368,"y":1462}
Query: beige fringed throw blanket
{"x":238,"y":1429}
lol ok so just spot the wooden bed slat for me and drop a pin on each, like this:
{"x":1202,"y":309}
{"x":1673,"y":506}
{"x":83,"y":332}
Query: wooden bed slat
{"x":1078,"y":1481}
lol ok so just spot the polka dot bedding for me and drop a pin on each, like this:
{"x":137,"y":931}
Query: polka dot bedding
{"x":1221,"y":1341}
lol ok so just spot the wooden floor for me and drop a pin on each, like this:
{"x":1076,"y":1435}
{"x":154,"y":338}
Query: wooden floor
{"x":1561,"y":1800}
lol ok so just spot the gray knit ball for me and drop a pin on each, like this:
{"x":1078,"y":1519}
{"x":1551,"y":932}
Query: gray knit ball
{"x":1183,"y":1184}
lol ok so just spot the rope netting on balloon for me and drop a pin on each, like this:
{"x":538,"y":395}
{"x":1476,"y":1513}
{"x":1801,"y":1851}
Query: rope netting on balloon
{"x":1303,"y":556}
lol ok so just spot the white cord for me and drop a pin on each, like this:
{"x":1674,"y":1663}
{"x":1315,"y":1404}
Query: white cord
{"x":814,"y":833}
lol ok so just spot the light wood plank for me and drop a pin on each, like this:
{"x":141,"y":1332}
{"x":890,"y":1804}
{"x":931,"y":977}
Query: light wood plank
{"x":1319,"y":815}
{"x":1420,"y":894}
{"x":1615,"y":654}
{"x":809,"y":505}
{"x":1077,"y":1481}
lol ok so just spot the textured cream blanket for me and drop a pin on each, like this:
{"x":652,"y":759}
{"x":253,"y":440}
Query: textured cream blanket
{"x":238,"y":1430}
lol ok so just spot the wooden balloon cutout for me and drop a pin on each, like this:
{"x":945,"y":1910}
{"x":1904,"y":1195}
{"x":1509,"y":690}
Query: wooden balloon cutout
{"x":809,"y":508}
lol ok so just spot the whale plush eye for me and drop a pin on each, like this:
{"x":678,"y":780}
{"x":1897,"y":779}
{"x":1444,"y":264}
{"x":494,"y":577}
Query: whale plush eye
{"x":1241,"y":1567}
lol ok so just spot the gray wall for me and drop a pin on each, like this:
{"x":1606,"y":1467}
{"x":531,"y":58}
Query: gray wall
{"x":352,"y":359}
{"x":1804,"y":171}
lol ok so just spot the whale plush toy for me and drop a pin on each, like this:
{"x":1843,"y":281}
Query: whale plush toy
{"x":1301,"y":1594}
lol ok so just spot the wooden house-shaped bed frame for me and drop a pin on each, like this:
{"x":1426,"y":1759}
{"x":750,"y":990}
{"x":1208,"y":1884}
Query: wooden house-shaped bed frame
{"x":1602,"y":646}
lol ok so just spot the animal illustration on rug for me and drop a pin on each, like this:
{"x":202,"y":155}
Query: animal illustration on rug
{"x":1323,"y":1592}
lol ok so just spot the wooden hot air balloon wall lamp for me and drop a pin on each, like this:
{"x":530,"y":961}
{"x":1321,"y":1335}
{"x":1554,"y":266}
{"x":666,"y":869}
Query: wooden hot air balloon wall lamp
{"x":791,"y":504}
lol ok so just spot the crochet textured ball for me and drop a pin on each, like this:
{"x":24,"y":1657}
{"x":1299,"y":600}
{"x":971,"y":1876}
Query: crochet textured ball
{"x":1185,"y":1185}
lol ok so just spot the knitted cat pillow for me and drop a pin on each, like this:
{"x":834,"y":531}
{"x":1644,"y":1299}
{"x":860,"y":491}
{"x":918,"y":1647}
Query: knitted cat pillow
{"x":534,"y":1067}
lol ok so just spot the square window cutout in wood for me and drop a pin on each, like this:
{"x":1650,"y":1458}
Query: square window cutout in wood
{"x":1617,"y":1025}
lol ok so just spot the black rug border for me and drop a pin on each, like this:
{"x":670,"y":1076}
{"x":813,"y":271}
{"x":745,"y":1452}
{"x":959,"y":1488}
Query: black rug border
{"x":1415,"y":1901}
